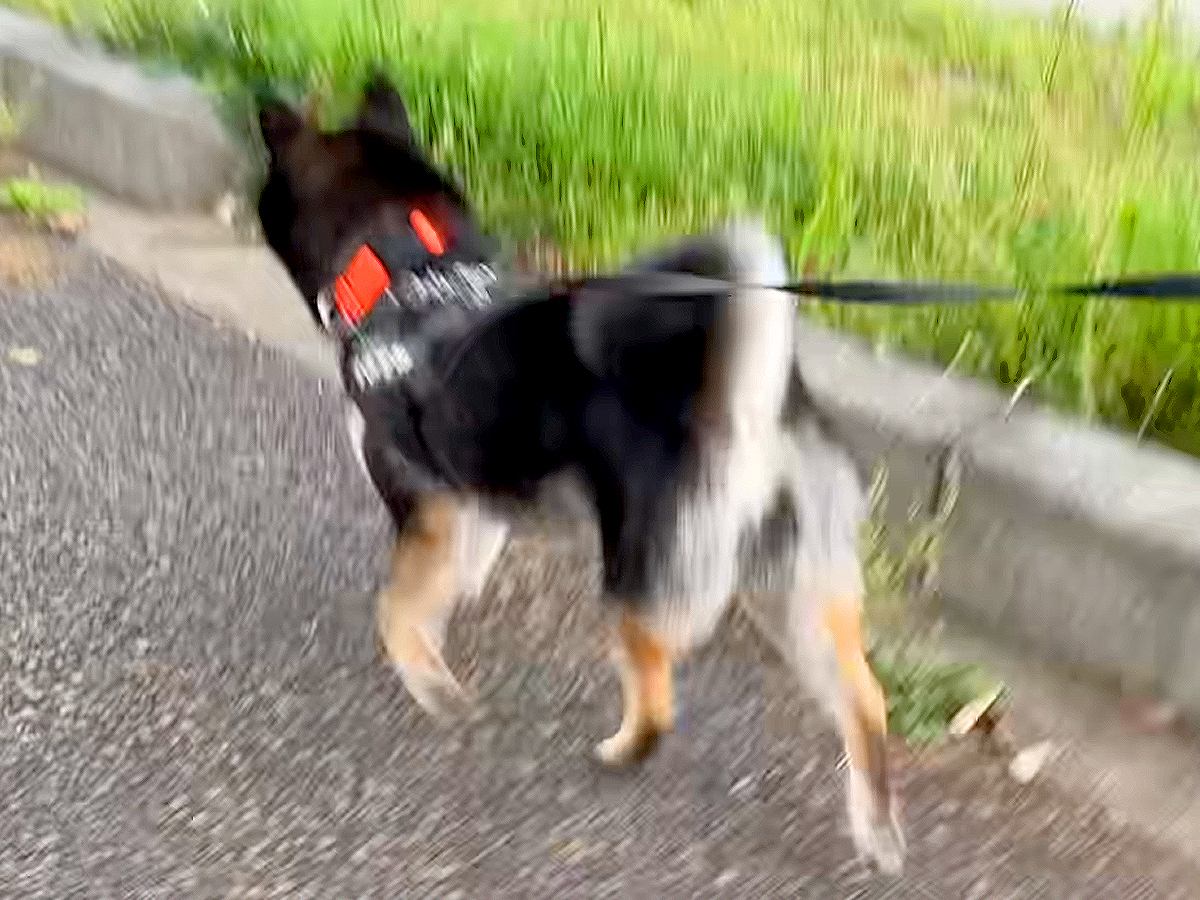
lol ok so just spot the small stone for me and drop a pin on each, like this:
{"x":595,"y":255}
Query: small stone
{"x":67,"y":224}
{"x":742,"y":785}
{"x":569,"y":849}
{"x":974,"y":715}
{"x":1026,"y":764}
{"x":24,"y":356}
{"x":725,"y":878}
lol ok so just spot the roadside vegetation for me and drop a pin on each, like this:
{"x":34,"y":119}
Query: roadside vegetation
{"x":27,"y":194}
{"x":930,"y":139}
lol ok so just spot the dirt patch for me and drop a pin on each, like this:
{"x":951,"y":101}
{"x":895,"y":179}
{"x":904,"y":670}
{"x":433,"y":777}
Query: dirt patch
{"x":28,"y":257}
{"x":12,"y":164}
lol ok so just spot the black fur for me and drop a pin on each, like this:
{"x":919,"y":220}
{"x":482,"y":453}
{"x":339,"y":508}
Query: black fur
{"x":515,"y":395}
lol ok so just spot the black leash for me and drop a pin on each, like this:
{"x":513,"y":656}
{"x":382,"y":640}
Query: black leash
{"x":888,"y":293}
{"x":1180,"y":287}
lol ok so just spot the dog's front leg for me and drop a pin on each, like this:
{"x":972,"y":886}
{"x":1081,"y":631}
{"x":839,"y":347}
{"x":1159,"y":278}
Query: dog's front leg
{"x":645,"y":663}
{"x":416,"y":601}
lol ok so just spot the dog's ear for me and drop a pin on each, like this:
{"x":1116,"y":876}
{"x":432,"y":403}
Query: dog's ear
{"x":280,"y":124}
{"x":383,"y":111}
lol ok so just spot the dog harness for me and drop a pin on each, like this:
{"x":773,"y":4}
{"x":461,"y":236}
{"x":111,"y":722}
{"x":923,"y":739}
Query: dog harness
{"x":405,"y":309}
{"x":400,"y":291}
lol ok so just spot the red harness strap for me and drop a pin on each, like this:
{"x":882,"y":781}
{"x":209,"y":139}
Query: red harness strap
{"x":430,"y":238}
{"x":365,"y":279}
{"x":360,"y":286}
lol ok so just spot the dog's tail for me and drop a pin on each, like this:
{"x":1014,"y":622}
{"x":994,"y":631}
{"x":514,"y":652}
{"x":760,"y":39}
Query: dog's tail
{"x":750,"y":363}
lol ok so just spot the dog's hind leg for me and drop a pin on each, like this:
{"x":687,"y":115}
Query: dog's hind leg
{"x":827,"y":627}
{"x":645,"y":662}
{"x":862,"y":715}
{"x":824,"y":616}
{"x":830,"y":656}
{"x":415,"y":603}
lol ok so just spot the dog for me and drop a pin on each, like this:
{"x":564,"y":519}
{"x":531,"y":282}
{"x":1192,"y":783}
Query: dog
{"x":683,"y":420}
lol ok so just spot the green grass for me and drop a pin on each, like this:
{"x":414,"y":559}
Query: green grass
{"x":30,"y":196}
{"x":925,"y":690}
{"x":924,"y":139}
{"x":38,"y":200}
{"x":11,"y":122}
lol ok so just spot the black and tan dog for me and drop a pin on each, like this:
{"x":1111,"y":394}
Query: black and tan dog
{"x":683,"y":420}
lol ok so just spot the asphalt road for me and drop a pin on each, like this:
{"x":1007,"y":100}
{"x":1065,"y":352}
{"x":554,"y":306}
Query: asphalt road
{"x":191,"y":706}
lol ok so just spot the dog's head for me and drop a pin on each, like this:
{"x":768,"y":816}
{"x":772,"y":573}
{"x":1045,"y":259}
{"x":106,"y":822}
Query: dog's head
{"x":328,"y":192}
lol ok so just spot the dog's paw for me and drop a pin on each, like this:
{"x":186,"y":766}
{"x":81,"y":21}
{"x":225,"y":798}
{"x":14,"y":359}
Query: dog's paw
{"x":875,"y":826}
{"x":627,"y":748}
{"x":441,"y":696}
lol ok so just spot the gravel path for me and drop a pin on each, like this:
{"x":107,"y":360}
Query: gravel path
{"x":190,"y":703}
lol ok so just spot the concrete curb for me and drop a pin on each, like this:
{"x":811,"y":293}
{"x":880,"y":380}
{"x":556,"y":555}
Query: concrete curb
{"x":156,"y":141}
{"x":1070,"y":540}
{"x":1073,"y":541}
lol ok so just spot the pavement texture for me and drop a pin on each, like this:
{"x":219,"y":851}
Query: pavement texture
{"x":190,"y":703}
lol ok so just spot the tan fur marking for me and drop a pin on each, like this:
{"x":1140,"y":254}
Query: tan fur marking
{"x":419,"y":592}
{"x":645,"y":665}
{"x":864,"y":715}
